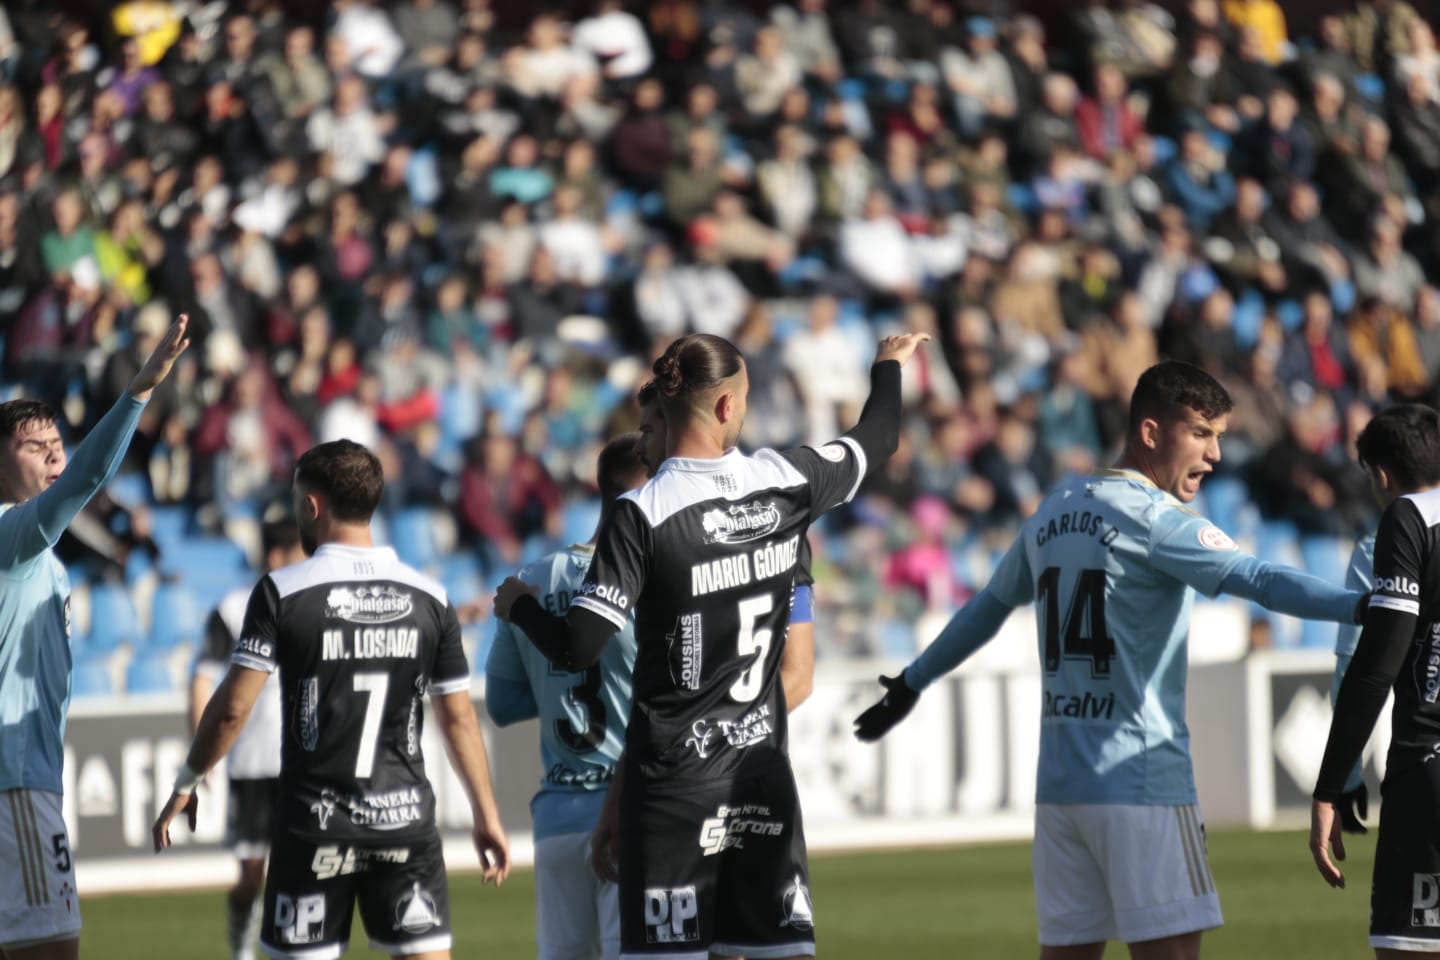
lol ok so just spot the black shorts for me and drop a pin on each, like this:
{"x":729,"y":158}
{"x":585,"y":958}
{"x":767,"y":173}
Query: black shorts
{"x":1405,"y":894}
{"x":311,"y":890}
{"x":720,"y":868}
{"x":250,"y":816}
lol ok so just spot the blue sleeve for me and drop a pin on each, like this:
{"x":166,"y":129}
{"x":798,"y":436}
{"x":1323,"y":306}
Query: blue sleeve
{"x":508,"y":696}
{"x":1191,"y":549}
{"x":802,"y":605}
{"x":1359,"y":576}
{"x":1342,"y":663}
{"x":29,"y":529}
{"x":1283,"y":590}
{"x":973,"y":626}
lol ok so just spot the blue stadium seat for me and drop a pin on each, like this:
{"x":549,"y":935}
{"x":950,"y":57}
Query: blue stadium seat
{"x":1371,"y":87}
{"x":851,"y":89}
{"x":130,"y":489}
{"x":460,"y":575}
{"x":112,"y":618}
{"x":460,"y":415}
{"x":149,"y":675}
{"x":175,"y":617}
{"x":413,"y":537}
{"x":91,"y":678}
{"x":168,"y":525}
{"x":193,"y":558}
{"x":579,"y":520}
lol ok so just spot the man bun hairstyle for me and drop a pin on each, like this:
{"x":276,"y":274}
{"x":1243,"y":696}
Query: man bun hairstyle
{"x":1168,"y":389}
{"x":1405,"y":441}
{"x":347,"y":475}
{"x":693,"y":365}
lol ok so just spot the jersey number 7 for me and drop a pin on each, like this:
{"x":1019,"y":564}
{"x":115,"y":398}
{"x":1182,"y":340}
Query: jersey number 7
{"x":1084,"y":636}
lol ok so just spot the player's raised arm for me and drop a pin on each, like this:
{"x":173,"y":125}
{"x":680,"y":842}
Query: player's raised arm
{"x":973,"y":626}
{"x":49,"y":493}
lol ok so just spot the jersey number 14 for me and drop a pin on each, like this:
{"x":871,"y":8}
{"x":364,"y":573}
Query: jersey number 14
{"x":1081,"y":635}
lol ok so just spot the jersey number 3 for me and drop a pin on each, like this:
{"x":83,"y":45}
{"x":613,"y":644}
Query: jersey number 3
{"x":585,"y":695}
{"x":1083,"y":636}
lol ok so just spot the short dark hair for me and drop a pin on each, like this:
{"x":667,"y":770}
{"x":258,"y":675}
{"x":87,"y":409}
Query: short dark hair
{"x":618,"y":466}
{"x":347,"y":475}
{"x":1168,"y":389}
{"x":693,"y":365}
{"x":15,"y":414}
{"x":1405,"y":441}
{"x":648,"y":393}
{"x":279,"y":535}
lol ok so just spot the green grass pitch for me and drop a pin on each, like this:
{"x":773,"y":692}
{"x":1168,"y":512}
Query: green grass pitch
{"x":941,"y":904}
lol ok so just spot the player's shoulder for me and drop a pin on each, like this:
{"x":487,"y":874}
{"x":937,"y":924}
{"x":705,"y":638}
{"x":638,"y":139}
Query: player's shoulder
{"x":1421,"y":509}
{"x":681,"y":483}
{"x":554,"y":567}
{"x":347,"y":569}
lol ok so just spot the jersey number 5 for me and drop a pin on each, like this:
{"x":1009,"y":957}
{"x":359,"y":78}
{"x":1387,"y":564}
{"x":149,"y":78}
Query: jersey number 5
{"x":752,"y":641}
{"x":1084,"y":636}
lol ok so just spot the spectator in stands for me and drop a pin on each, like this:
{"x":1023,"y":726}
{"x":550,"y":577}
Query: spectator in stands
{"x":1380,"y":32}
{"x":1386,"y":270}
{"x":1107,"y":122}
{"x":875,"y":250}
{"x":1198,"y":179}
{"x":979,"y":78}
{"x":505,"y":497}
{"x":1266,"y":19}
{"x":247,"y":443}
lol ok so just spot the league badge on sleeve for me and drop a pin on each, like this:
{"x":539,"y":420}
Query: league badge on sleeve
{"x":1213,"y":538}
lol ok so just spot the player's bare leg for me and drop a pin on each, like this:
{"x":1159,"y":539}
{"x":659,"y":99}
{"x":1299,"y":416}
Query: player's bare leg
{"x":1078,"y":951}
{"x":427,"y":955}
{"x":1384,"y":953}
{"x":54,"y":950}
{"x":1185,"y":946}
{"x":243,"y":924}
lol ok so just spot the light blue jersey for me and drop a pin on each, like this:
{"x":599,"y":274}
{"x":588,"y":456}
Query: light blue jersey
{"x":582,"y":715}
{"x":35,"y":607}
{"x":1359,"y":576}
{"x":1113,"y":564}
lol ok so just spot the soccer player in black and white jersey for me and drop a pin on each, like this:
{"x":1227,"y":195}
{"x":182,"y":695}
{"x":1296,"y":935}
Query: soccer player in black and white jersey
{"x":712,"y":852}
{"x":254,"y":762}
{"x":359,"y":640}
{"x":1399,"y":648}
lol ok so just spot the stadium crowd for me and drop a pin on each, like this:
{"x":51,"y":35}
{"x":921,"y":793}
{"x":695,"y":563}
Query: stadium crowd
{"x":459,"y":240}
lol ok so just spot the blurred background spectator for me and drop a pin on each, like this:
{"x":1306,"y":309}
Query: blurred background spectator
{"x":458,"y":234}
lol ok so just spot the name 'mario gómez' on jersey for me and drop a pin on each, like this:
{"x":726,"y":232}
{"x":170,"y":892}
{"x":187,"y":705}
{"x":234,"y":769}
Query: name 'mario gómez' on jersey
{"x":705,"y":556}
{"x":359,"y":640}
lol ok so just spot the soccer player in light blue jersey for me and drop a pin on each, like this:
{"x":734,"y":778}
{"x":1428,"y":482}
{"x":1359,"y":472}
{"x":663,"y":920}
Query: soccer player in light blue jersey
{"x":1112,"y":561}
{"x":582,"y":733}
{"x":1354,"y":803}
{"x":39,"y":496}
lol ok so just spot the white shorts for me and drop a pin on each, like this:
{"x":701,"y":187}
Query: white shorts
{"x":38,"y":899}
{"x":577,"y":917}
{"x":1121,"y":872}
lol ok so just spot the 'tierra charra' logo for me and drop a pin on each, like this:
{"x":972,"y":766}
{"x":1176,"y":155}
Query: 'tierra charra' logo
{"x":377,"y":603}
{"x":741,"y":523}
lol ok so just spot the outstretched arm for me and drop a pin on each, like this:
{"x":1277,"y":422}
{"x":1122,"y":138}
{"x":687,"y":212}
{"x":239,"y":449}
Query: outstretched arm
{"x":33,"y":527}
{"x":1288,"y":591}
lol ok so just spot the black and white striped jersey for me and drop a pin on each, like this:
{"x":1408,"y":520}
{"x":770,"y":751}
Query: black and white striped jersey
{"x":705,"y":556}
{"x":1399,"y":649}
{"x":359,"y":638}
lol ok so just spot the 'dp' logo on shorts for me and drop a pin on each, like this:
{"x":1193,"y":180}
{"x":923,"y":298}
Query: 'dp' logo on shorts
{"x":1425,"y":906}
{"x":672,"y":915}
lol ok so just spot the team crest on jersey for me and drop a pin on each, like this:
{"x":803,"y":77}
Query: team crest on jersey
{"x":796,"y":910}
{"x":741,"y":523}
{"x":369,"y":603}
{"x":1213,"y":538}
{"x":416,"y":912}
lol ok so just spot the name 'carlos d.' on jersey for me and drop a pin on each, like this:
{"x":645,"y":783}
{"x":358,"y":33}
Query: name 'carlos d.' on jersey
{"x":359,"y":640}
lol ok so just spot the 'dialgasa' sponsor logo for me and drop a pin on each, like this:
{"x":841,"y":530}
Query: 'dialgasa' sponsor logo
{"x":741,"y":523}
{"x":378,"y":603}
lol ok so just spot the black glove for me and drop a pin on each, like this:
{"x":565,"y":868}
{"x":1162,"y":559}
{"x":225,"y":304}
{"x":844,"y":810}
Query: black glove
{"x":875,"y":722}
{"x":1354,"y":807}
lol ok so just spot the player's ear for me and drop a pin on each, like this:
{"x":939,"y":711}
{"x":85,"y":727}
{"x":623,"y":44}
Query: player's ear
{"x":725,"y":406}
{"x":1150,"y":433}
